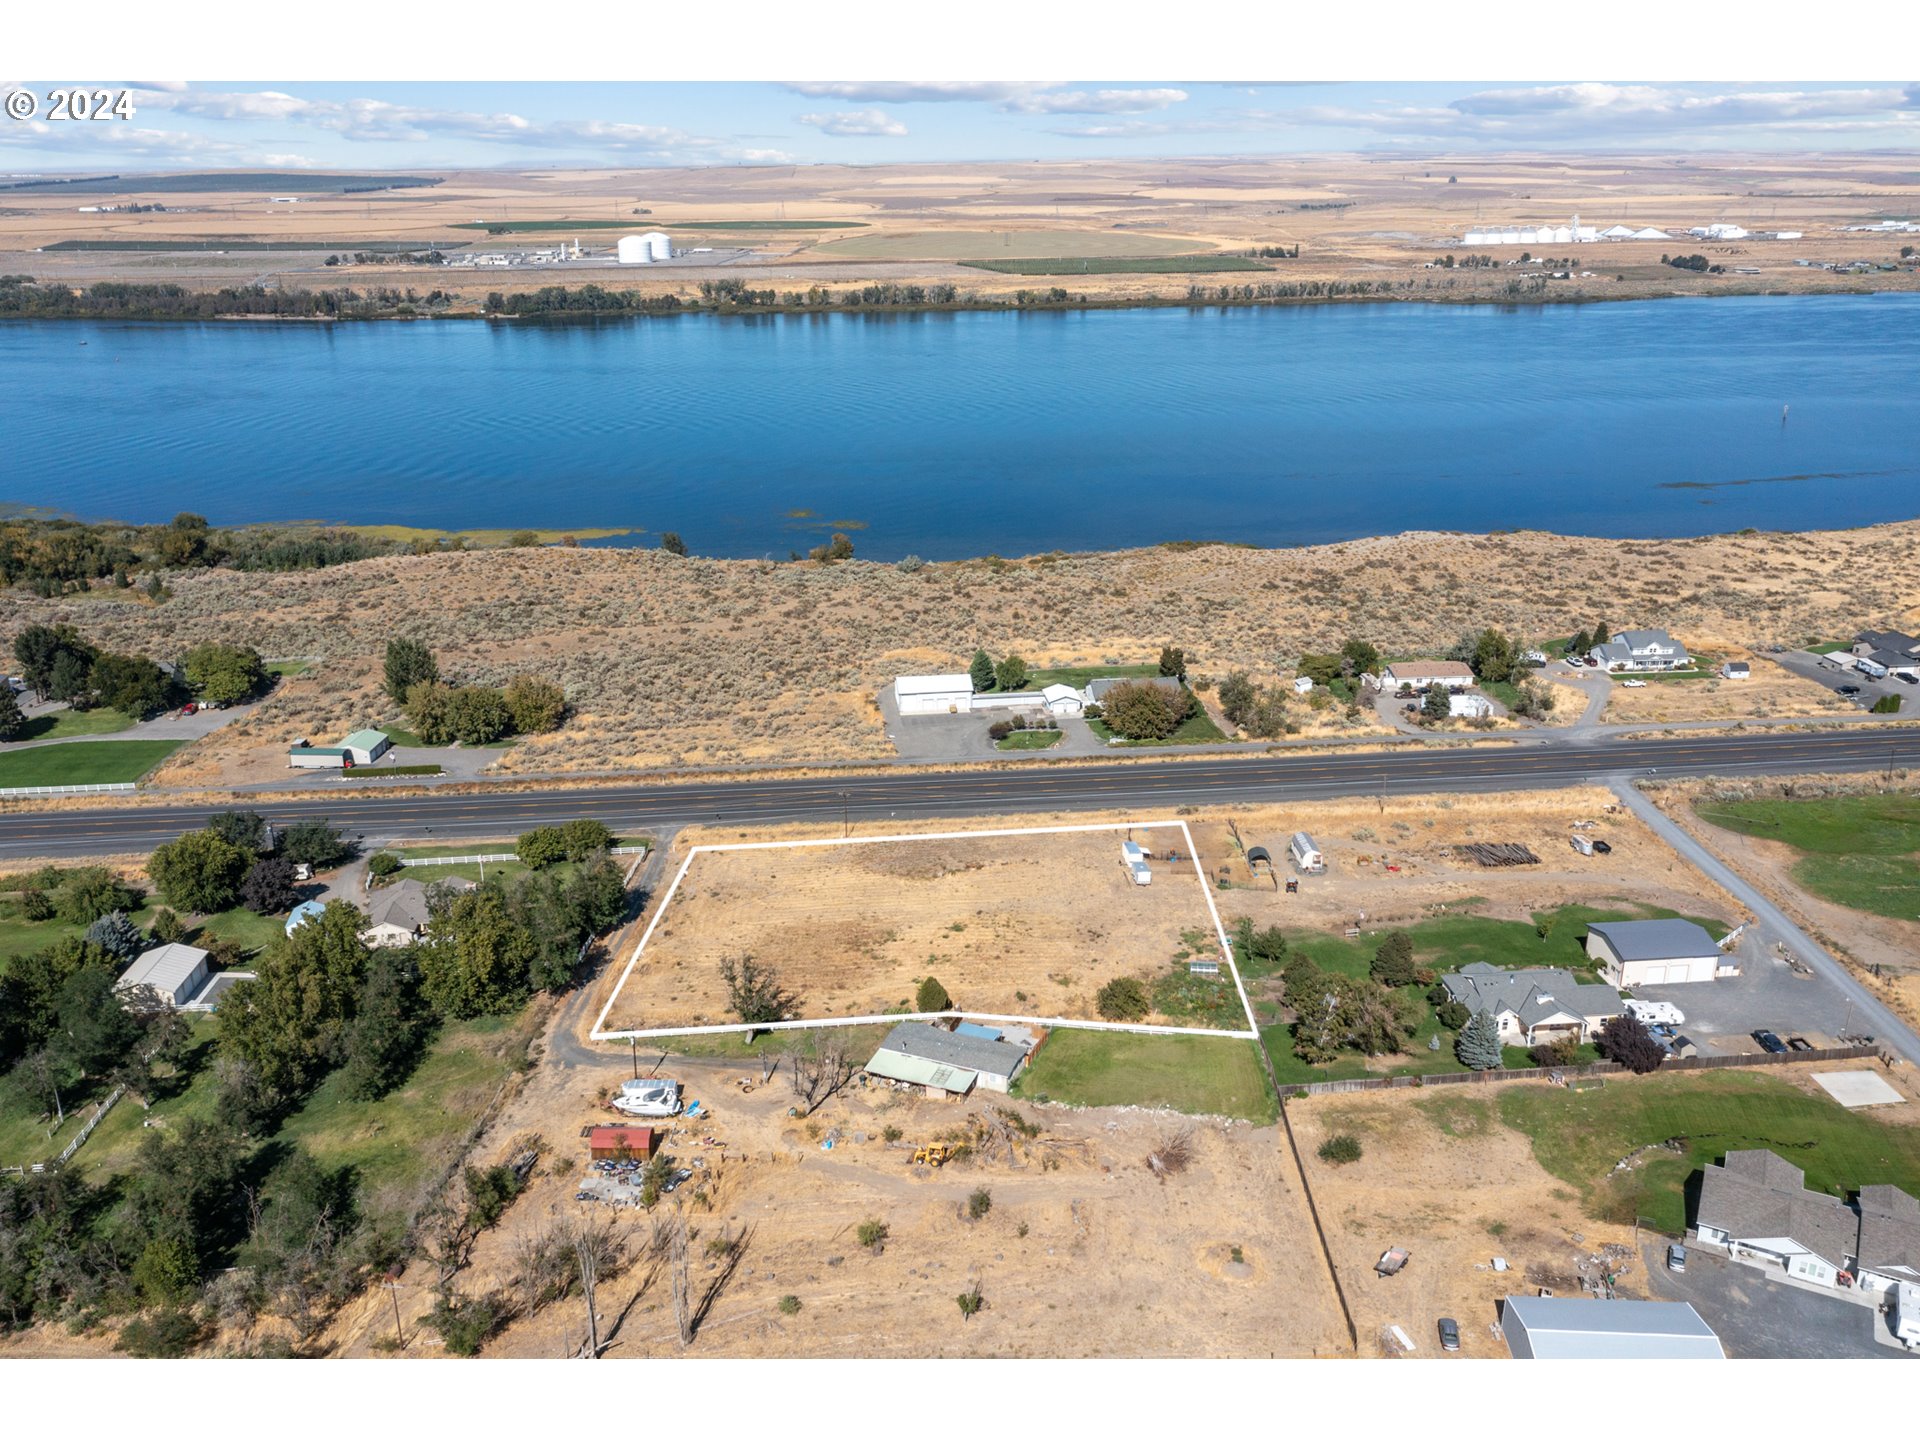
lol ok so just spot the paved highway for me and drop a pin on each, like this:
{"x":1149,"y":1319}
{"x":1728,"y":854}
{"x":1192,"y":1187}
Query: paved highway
{"x":907,"y":794}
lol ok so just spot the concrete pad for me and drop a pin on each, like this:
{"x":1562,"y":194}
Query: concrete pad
{"x":1855,"y":1088}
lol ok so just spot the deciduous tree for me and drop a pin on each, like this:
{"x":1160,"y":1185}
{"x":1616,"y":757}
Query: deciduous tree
{"x":409,"y":663}
{"x":200,"y":871}
{"x":225,"y":674}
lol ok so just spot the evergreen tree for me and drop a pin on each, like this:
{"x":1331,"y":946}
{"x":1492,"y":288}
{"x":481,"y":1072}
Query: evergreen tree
{"x":13,"y":720}
{"x":932,"y":996}
{"x":385,"y":1040}
{"x":1393,"y":961}
{"x":671,"y":542}
{"x":117,"y":935}
{"x":1173,"y":662}
{"x":1437,"y":705}
{"x":981,"y":671}
{"x":409,"y":663}
{"x":1479,"y":1044}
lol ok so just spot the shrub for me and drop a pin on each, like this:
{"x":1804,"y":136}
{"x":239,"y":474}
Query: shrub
{"x":1000,"y":729}
{"x":1454,"y":1015}
{"x":1123,"y":998}
{"x":384,"y":864}
{"x":1134,"y":710}
{"x":540,"y":848}
{"x":166,"y":1334}
{"x":891,"y":1133}
{"x":979,"y":1203}
{"x":789,"y":1304}
{"x":1340,"y":1149}
{"x":465,"y":1325}
{"x":1886,"y":705}
{"x":1552,"y":1054}
{"x":536,"y":706}
{"x":932,"y":996}
{"x":970,"y":1302}
{"x":872,"y":1234}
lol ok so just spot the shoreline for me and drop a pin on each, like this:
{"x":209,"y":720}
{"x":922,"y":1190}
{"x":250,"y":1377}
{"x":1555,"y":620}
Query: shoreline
{"x":979,"y":305}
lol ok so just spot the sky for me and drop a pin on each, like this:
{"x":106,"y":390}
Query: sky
{"x":437,"y":125}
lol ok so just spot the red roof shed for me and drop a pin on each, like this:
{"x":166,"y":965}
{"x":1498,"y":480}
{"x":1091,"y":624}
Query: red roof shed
{"x":613,"y":1142}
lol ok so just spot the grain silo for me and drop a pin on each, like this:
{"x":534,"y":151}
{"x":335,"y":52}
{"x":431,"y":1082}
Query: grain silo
{"x":634,"y":250}
{"x":659,"y":247}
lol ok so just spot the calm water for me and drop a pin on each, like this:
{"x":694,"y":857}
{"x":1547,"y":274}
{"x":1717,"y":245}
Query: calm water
{"x":953,"y":435}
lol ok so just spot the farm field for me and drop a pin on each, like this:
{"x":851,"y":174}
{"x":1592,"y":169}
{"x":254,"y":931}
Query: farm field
{"x":1121,"y":265}
{"x":1010,"y":923}
{"x":97,"y":762}
{"x":1009,"y":244}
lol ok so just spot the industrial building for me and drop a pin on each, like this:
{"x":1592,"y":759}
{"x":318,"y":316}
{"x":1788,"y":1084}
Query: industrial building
{"x":644,"y":249}
{"x":1550,"y":1327}
{"x":1653,"y":952}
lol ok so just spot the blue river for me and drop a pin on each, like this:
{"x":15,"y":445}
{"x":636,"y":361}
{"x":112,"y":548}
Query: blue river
{"x":948,"y":435}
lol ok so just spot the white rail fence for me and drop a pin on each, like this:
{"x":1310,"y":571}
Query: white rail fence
{"x":66,"y":789}
{"x":504,"y":855}
{"x":87,"y":1129}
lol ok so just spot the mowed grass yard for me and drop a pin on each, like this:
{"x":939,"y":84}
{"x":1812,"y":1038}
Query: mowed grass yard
{"x":1581,"y":1135}
{"x":70,"y":724}
{"x":98,"y":762}
{"x":1861,"y":851}
{"x":1196,"y":1074}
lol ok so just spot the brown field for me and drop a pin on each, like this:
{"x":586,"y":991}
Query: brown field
{"x":1010,"y":924}
{"x":745,"y":662}
{"x":1436,"y":1175}
{"x":1374,"y":217}
{"x":1771,"y":693}
{"x":1083,"y":1253}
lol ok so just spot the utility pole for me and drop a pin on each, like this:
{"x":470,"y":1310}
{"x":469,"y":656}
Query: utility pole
{"x":393,"y":1289}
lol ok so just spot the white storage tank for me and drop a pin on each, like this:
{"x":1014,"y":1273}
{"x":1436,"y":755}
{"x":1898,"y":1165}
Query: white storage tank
{"x":634,"y":250}
{"x":659,"y":246}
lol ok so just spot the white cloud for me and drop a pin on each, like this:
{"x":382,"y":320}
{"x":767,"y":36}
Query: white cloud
{"x":854,"y":122}
{"x":908,"y":92}
{"x":1094,"y":102}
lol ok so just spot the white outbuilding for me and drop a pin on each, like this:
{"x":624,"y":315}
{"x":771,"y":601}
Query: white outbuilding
{"x":174,"y":974}
{"x":1306,"y":855}
{"x":933,"y":694}
{"x":1063,"y":700}
{"x":1652,"y":952}
{"x":1469,"y":707}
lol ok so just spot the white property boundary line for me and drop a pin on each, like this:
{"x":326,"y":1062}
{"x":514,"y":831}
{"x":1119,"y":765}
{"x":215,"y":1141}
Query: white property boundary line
{"x":1252,"y":1032}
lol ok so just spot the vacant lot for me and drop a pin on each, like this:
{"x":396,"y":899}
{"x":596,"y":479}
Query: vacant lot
{"x":1861,"y":851}
{"x":97,"y":762}
{"x":1120,"y":265}
{"x":1771,"y":693}
{"x":1009,"y":923}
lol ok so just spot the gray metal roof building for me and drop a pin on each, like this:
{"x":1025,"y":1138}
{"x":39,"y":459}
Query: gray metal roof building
{"x":1655,"y":939}
{"x":968,"y":1052}
{"x":1531,"y":995}
{"x":1556,"y":1328}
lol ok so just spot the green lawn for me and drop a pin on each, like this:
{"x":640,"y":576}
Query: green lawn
{"x":1861,"y":851}
{"x":1121,"y":265}
{"x":1031,"y":740}
{"x":243,"y":927}
{"x":1581,"y":1135}
{"x":1196,"y":729}
{"x":395,"y":1142}
{"x":1192,"y":1073}
{"x":1828,"y":647}
{"x":97,"y":762}
{"x":286,"y":668}
{"x":400,"y":735}
{"x":20,"y":937}
{"x":1078,"y":675}
{"x":473,"y":870}
{"x":67,"y":724}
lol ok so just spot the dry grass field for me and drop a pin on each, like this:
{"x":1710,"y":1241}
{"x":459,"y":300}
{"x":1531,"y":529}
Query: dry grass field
{"x":1083,"y":1253}
{"x":1353,"y":216}
{"x":1771,"y":693}
{"x":1009,"y":923}
{"x":673,"y":661}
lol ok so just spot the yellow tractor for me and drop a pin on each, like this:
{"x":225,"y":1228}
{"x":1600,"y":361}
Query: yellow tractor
{"x":935,"y":1155}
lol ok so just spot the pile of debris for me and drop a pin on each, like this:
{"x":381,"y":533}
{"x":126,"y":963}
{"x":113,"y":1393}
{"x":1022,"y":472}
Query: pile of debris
{"x":1498,"y":857}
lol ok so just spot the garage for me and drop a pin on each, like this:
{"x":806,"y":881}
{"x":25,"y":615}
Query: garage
{"x":933,"y":694}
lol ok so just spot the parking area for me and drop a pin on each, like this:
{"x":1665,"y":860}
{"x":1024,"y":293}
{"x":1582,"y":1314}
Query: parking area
{"x":1758,"y":1318}
{"x":1830,"y":672}
{"x":933,"y":738}
{"x":1768,"y":994}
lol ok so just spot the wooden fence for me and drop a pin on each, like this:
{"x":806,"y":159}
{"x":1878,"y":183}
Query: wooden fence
{"x":1576,"y":1072}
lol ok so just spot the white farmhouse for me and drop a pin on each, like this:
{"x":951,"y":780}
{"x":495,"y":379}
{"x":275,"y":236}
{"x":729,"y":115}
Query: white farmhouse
{"x":1640,"y":650}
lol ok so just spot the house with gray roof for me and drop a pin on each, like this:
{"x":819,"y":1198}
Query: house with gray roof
{"x":1096,"y":691}
{"x":1653,"y":952}
{"x":1534,"y":1007}
{"x":1640,"y":650}
{"x":914,"y":1051}
{"x":1755,"y":1205}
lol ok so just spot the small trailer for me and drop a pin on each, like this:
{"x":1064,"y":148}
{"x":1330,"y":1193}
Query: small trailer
{"x":1582,"y":843}
{"x":1391,"y":1263}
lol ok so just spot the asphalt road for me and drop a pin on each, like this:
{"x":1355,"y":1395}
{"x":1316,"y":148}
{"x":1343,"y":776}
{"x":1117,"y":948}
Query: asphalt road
{"x":1156,"y":785}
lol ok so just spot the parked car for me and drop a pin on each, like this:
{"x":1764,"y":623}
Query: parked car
{"x":1906,"y":679}
{"x":188,"y":708}
{"x":1847,"y":690}
{"x":1769,"y":1042}
{"x":1449,"y":1334}
{"x":1796,"y":1042}
{"x":1677,"y":1259}
{"x":1634,"y":684}
{"x":1601,"y":847}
